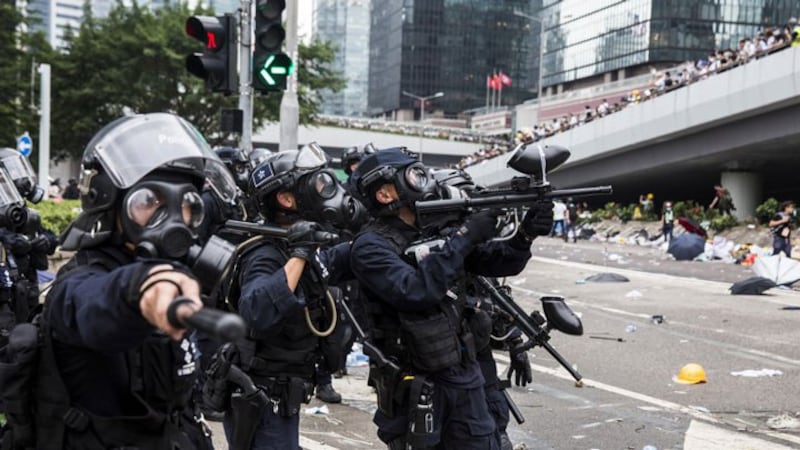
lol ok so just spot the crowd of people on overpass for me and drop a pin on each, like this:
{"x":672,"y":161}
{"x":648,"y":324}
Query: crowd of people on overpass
{"x":412,"y":129}
{"x":765,"y":42}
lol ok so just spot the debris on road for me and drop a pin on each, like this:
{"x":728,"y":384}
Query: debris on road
{"x":691,"y":373}
{"x":608,"y":338}
{"x":700,"y":409}
{"x":631,"y":328}
{"x":754,"y":373}
{"x":783,"y":422}
{"x":657,"y":319}
{"x":318,"y":411}
{"x":752,"y":286}
{"x":606,"y":277}
{"x":633,"y":294}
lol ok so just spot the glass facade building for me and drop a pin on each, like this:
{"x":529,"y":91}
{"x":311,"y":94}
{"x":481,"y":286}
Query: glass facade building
{"x":346,"y":23}
{"x":450,"y":46}
{"x":588,"y":38}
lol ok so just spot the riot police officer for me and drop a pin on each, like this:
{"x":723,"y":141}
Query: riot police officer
{"x":115,"y":371}
{"x":283,"y":295}
{"x":27,"y":242}
{"x":456,"y":183}
{"x":434,"y":397}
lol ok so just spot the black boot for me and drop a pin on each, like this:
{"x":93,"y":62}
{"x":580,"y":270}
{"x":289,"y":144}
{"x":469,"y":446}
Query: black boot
{"x":326,"y":393}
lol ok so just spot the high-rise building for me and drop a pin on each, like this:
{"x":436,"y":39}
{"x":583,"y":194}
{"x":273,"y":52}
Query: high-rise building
{"x":589,"y":42}
{"x":450,"y":46}
{"x":345,"y":23}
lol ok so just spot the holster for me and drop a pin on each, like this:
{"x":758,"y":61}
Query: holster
{"x":390,"y":389}
{"x":288,"y":393}
{"x":246,"y":413}
{"x":421,"y":433}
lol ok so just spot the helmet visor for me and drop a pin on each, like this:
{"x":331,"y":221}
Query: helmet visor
{"x":137,"y":146}
{"x":8,"y":192}
{"x":220,"y":181}
{"x":18,"y":167}
{"x":311,"y":157}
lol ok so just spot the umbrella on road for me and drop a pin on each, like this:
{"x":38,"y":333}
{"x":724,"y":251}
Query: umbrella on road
{"x":606,"y":277}
{"x":752,"y":286}
{"x":691,"y":226}
{"x":778,"y":268}
{"x":687,"y":246}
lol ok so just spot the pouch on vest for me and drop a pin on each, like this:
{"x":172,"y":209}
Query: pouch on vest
{"x":18,"y":361}
{"x":432,"y":340}
{"x":26,"y":297}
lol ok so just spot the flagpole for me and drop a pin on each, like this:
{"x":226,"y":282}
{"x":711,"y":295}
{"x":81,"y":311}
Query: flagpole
{"x":500,"y":95}
{"x":487,"y":93}
{"x":494,"y":90}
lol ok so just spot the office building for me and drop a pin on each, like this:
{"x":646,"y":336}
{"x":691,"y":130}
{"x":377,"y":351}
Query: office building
{"x":450,"y":46}
{"x":345,"y":23}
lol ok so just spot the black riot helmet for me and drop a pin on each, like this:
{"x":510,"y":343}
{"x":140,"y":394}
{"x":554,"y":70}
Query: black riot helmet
{"x":258,"y":156}
{"x":143,"y":174}
{"x":453,"y":183}
{"x":400,"y":167}
{"x":304,"y":173}
{"x":19,"y":169}
{"x":354,"y":155}
{"x":237,"y":164}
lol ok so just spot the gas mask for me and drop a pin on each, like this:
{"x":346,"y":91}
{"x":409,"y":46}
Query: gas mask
{"x":163,"y":218}
{"x":323,"y":199}
{"x":413,"y":183}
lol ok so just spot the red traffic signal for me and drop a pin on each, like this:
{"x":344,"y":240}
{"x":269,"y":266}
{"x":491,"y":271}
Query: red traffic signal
{"x":217,"y":64}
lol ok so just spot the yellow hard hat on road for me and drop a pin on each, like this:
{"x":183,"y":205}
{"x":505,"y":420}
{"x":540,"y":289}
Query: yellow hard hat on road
{"x":691,"y":374}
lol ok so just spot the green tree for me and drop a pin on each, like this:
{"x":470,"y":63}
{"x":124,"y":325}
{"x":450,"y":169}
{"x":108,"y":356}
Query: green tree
{"x":18,"y":52}
{"x":134,"y":61}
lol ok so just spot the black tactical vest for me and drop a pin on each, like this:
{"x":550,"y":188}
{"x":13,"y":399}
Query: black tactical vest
{"x":162,"y":375}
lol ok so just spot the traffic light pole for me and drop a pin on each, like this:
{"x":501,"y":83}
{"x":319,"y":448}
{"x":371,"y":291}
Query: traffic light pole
{"x":290,"y":108}
{"x":44,"y":128}
{"x":246,"y":74}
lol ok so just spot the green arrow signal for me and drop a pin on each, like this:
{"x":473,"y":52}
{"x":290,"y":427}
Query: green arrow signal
{"x":283,"y":67}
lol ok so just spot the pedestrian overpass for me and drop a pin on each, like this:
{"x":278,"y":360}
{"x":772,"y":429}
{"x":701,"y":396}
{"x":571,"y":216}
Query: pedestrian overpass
{"x":740,"y":127}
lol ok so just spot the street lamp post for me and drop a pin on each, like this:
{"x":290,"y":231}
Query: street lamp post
{"x":422,"y":101}
{"x":540,"y":21}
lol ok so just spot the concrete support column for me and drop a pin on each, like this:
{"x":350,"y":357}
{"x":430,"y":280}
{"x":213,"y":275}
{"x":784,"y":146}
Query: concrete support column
{"x":621,"y":74}
{"x":746,"y":189}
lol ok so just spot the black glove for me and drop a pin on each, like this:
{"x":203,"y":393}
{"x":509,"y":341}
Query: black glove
{"x":41,"y":244}
{"x":301,"y":239}
{"x":519,"y":364}
{"x":538,"y":220}
{"x":481,"y":226}
{"x":19,"y":244}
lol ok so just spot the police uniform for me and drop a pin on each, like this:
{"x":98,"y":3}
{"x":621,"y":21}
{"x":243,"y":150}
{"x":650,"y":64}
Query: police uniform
{"x":281,"y":351}
{"x":291,"y":332}
{"x":100,"y":375}
{"x":417,"y":310}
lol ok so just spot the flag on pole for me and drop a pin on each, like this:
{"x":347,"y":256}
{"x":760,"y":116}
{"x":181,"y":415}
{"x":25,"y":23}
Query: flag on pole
{"x":504,"y":79}
{"x":493,"y":82}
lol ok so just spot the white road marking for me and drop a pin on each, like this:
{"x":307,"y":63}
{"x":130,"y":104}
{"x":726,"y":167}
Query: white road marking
{"x":660,"y":403}
{"x":702,"y":436}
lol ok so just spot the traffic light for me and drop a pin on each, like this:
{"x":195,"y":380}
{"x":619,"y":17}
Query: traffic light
{"x":271,"y":66}
{"x":217,"y":64}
